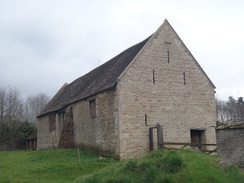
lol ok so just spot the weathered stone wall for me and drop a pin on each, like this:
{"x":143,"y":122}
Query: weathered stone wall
{"x":167,"y":86}
{"x":230,"y":145}
{"x":56,"y":130}
{"x":67,"y":132}
{"x":47,"y":136}
{"x":74,"y":126}
{"x":98,"y":134}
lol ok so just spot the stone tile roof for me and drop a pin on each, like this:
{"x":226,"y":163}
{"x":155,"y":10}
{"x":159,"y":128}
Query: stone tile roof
{"x":98,"y":80}
{"x":233,"y":125}
{"x":33,"y":135}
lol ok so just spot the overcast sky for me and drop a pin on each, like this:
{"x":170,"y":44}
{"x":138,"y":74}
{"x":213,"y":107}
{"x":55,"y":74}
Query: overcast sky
{"x":45,"y":43}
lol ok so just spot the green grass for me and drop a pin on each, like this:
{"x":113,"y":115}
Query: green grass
{"x":58,"y":165}
{"x":168,"y":167}
{"x":160,"y":166}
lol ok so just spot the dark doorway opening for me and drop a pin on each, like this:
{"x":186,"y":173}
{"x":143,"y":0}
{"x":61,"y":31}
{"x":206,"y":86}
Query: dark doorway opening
{"x":198,"y":137}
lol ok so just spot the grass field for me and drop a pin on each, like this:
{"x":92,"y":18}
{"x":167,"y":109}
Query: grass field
{"x":58,"y":165}
{"x":61,"y":165}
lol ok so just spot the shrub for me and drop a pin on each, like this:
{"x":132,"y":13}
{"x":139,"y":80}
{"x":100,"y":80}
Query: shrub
{"x":14,"y":136}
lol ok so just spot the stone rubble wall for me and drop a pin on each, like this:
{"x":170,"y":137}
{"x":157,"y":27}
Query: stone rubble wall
{"x":230,"y":145}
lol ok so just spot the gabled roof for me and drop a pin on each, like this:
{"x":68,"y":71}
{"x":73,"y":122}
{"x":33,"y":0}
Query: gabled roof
{"x":100,"y":79}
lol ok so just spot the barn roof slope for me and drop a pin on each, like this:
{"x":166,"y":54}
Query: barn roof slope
{"x":33,"y":135}
{"x":100,"y":79}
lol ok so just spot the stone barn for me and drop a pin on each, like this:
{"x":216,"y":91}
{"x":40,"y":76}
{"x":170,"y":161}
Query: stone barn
{"x":111,"y":109}
{"x":230,"y":142}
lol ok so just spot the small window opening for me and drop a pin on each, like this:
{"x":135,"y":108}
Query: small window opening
{"x":52,"y":121}
{"x":92,"y":104}
{"x":184,"y":77}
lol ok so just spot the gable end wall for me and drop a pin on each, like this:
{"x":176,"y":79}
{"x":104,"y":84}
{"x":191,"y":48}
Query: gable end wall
{"x":172,"y":91}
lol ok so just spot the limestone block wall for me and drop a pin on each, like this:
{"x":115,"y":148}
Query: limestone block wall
{"x":47,"y":136}
{"x":100,"y":133}
{"x":230,"y":145}
{"x":165,"y":85}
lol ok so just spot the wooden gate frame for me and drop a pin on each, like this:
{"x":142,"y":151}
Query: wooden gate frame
{"x":161,"y":144}
{"x":159,"y":136}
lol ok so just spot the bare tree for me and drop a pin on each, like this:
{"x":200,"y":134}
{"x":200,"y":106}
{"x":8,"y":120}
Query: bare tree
{"x":240,"y":109}
{"x":17,"y":118}
{"x":13,"y":103}
{"x":10,"y":105}
{"x":231,"y":110}
{"x":222,"y":114}
{"x":13,"y":108}
{"x":2,"y":105}
{"x":34,"y":105}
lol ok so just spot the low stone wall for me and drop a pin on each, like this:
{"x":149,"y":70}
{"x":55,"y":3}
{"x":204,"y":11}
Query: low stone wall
{"x":230,"y":144}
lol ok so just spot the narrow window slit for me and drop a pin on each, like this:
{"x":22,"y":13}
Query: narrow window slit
{"x":153,"y":77}
{"x":184,"y":77}
{"x":168,"y":56}
{"x":146,"y":119}
{"x":92,"y":104}
{"x":167,"y":46}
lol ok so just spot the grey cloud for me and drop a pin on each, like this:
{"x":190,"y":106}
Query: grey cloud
{"x":46,"y":43}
